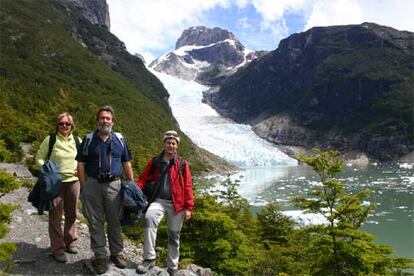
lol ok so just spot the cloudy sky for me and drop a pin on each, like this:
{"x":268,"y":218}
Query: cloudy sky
{"x":151,"y":27}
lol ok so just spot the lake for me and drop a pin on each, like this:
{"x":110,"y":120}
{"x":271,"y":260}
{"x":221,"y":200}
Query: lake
{"x":392,"y":188}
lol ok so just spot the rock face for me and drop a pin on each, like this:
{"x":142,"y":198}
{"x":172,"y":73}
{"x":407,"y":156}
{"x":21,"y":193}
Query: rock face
{"x":205,"y":55}
{"x":96,"y":11}
{"x":347,"y":87}
{"x":202,"y":36}
{"x":86,"y":21}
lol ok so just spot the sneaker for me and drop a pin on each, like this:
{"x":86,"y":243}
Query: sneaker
{"x":100,"y":265}
{"x":172,"y":271}
{"x":119,"y":260}
{"x":71,"y":250}
{"x":145,"y":266}
{"x":60,"y":258}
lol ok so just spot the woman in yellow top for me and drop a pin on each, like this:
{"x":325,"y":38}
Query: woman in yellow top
{"x":63,"y":153}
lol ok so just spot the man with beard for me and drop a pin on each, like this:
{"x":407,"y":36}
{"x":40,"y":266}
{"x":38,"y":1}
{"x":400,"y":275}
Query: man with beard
{"x":102,"y":155}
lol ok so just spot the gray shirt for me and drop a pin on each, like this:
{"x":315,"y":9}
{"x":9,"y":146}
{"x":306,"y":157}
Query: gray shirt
{"x":165,"y":190}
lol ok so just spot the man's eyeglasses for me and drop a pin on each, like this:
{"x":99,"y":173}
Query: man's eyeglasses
{"x":64,"y":124}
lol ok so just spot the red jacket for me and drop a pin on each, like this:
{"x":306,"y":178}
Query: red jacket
{"x":181,"y":184}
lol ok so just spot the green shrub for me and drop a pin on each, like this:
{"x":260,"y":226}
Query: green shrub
{"x":5,"y":154}
{"x":7,"y":183}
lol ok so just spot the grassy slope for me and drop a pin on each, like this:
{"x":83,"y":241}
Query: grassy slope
{"x":43,"y":71}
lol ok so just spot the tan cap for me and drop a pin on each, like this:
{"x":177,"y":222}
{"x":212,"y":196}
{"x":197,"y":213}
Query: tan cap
{"x":171,"y":134}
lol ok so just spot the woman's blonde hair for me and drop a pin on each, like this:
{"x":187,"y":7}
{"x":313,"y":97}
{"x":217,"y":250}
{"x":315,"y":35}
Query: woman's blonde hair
{"x":70,"y":118}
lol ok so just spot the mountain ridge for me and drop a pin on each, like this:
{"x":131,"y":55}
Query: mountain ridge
{"x":323,"y":88}
{"x":206,"y":55}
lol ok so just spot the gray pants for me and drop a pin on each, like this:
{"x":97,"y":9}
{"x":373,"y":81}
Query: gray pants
{"x":100,"y":202}
{"x":153,"y":216}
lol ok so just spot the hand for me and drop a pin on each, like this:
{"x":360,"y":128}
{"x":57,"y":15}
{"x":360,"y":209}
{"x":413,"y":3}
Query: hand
{"x":187,"y":215}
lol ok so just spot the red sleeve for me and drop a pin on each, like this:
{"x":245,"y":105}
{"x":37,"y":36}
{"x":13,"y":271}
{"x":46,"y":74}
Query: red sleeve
{"x":188,"y":188}
{"x":145,"y":177}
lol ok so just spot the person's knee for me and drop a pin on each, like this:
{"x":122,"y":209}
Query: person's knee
{"x":174,"y":238}
{"x":151,"y":220}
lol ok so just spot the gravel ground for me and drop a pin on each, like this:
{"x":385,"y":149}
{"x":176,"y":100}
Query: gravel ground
{"x":30,"y":233}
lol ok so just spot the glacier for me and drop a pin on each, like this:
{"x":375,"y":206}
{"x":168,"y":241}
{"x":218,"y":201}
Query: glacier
{"x":236,"y":143}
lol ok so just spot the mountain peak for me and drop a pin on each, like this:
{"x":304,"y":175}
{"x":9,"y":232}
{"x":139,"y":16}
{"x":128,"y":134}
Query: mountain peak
{"x":203,"y":36}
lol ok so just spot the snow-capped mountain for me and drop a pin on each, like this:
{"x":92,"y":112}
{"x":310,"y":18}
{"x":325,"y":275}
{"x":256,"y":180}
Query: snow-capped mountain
{"x":205,"y":55}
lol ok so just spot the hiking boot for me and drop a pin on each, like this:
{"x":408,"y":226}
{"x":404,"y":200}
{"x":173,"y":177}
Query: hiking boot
{"x":172,"y":271}
{"x":145,"y":266}
{"x":119,"y":260}
{"x":71,"y":250}
{"x":100,"y":265}
{"x":60,"y":258}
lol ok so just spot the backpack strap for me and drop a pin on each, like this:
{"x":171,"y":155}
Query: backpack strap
{"x":120,"y":138}
{"x":153,"y":165}
{"x":77,"y":142}
{"x":52,"y":141}
{"x":182,"y":165}
{"x":88,"y":139}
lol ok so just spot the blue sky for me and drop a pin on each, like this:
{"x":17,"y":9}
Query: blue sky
{"x":151,"y":27}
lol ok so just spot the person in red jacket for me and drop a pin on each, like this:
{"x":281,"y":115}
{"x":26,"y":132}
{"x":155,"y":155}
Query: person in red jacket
{"x":173,"y":197}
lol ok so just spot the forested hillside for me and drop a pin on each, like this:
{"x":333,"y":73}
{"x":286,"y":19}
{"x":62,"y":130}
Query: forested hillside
{"x":54,"y":60}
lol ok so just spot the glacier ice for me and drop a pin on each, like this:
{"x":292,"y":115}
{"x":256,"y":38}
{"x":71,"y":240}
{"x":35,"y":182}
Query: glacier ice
{"x":236,"y":143}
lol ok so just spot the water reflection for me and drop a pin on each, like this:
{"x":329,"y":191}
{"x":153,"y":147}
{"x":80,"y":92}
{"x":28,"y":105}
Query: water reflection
{"x":392,"y":188}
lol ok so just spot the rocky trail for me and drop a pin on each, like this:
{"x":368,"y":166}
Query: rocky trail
{"x":29,"y":231}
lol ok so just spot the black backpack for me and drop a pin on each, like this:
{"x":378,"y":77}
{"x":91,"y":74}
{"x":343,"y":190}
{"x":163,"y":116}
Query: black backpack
{"x":52,"y":141}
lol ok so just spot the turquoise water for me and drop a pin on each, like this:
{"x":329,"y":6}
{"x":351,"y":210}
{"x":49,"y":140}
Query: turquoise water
{"x":392,"y":188}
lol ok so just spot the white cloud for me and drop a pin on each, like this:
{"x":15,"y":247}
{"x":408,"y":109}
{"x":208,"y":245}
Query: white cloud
{"x":274,"y":10}
{"x":149,"y":26}
{"x":334,"y":12}
{"x":397,"y":14}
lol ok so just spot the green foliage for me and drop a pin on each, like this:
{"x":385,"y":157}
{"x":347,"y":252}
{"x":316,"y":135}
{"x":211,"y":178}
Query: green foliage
{"x":340,"y":248}
{"x":44,"y":71}
{"x":214,"y":239}
{"x":273,"y":226}
{"x":237,"y":207}
{"x":6,"y":252}
{"x":5,"y":154}
{"x":7,"y":184}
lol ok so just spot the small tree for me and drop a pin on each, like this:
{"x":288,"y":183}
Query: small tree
{"x":340,"y":248}
{"x":273,"y":226}
{"x":212,"y":238}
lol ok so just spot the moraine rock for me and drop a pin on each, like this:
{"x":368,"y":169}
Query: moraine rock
{"x":16,"y":170}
